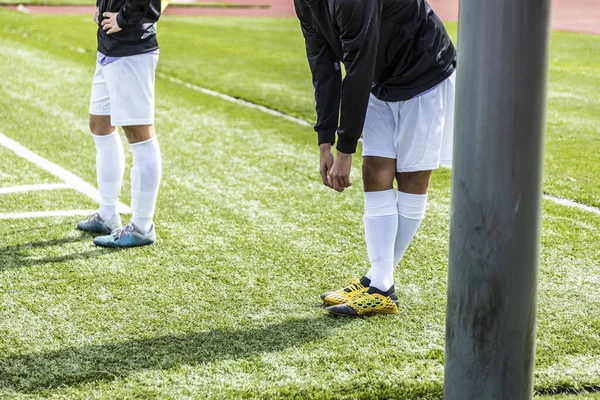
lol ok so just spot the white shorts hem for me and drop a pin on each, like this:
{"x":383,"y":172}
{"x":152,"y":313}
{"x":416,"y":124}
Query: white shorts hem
{"x":100,"y":113}
{"x":132,"y":122}
{"x":382,"y":154}
{"x":417,"y":168}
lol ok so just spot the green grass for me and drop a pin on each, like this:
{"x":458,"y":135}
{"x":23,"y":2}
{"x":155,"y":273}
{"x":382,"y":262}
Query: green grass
{"x":581,"y":396}
{"x":225,"y":305}
{"x":275,"y":73}
{"x":573,"y":123}
{"x":28,"y":174}
{"x":67,"y":199}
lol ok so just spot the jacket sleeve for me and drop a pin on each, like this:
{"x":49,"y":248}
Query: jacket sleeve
{"x":326,"y":75}
{"x":132,"y":13}
{"x":359,"y":22}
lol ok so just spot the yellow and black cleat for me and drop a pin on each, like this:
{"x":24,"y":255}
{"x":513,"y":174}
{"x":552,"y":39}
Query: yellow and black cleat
{"x":341,"y":296}
{"x":368,"y":304}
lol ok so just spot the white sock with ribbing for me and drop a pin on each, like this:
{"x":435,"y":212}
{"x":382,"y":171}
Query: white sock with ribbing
{"x":145,"y":180}
{"x":381,"y":225}
{"x":411,"y":210}
{"x":110,"y":166}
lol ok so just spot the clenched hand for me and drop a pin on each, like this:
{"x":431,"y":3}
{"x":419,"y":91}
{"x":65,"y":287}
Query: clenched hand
{"x":335,"y":172}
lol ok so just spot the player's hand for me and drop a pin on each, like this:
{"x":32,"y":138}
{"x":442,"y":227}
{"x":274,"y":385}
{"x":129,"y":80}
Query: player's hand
{"x":326,"y":163}
{"x":109,"y":23}
{"x":96,"y":16}
{"x":339,"y":173}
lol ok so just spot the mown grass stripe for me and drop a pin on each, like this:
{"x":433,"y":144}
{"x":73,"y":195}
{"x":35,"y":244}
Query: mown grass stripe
{"x":240,"y":101}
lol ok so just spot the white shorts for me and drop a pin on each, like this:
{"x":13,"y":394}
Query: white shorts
{"x":418,"y":133}
{"x":124,"y":89}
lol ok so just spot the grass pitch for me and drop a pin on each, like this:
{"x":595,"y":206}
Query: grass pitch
{"x":226,"y":304}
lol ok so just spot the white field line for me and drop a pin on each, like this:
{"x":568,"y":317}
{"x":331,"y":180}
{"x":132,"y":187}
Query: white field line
{"x":34,"y":188}
{"x":69,"y":178}
{"x":571,"y":203}
{"x":235,"y":100}
{"x":44,"y":214}
{"x":561,"y":201}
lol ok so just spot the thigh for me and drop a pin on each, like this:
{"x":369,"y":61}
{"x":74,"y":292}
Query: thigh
{"x":131,"y":86}
{"x":420,"y":130}
{"x":100,"y":97}
{"x":379,"y":128}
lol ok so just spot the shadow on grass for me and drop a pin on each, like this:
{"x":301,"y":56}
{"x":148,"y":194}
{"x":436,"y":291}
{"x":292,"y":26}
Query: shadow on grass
{"x":78,"y":365}
{"x":21,"y":255}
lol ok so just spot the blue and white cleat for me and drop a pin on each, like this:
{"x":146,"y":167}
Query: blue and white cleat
{"x":127,"y":236}
{"x":95,"y":224}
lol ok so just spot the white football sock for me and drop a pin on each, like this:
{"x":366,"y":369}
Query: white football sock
{"x":381,"y":225}
{"x":411,"y":210}
{"x":145,"y":179}
{"x":110,"y":165}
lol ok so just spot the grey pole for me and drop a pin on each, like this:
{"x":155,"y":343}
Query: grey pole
{"x":496,"y":199}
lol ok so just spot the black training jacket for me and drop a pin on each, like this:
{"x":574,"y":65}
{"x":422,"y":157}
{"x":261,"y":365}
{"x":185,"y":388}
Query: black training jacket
{"x":137,"y":19}
{"x":395,"y":49}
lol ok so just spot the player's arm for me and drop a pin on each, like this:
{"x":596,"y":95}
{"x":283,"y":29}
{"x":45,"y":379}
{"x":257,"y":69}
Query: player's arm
{"x":327,"y":81}
{"x":359,"y":23}
{"x":132,"y":13}
{"x":326,"y":75}
{"x":129,"y":16}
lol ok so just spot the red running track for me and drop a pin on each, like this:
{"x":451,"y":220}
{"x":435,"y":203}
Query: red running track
{"x":567,"y":15}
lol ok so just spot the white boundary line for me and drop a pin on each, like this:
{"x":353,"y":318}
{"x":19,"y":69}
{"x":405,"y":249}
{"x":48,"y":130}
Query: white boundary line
{"x":43,"y":214}
{"x":33,"y":188}
{"x":571,"y":203}
{"x":70,"y":179}
{"x":561,"y":201}
{"x":236,"y":100}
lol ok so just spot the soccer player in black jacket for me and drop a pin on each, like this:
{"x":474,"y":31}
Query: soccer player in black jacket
{"x":123,"y":95}
{"x":398,"y":92}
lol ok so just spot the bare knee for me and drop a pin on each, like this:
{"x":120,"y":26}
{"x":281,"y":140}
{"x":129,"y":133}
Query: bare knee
{"x":413,"y":182}
{"x":100,"y":125}
{"x":378,"y":173}
{"x":139,"y":133}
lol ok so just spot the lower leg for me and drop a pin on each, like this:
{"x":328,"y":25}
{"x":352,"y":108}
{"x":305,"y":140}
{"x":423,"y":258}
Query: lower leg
{"x":145,"y":174}
{"x":110,"y":164}
{"x":380,"y":220}
{"x":411,"y":201}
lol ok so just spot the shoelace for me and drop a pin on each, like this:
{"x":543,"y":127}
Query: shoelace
{"x":120,"y":232}
{"x":354,"y":286}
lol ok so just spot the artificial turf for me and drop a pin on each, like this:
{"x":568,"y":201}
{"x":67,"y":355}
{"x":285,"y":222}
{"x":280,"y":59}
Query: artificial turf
{"x":226,"y":304}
